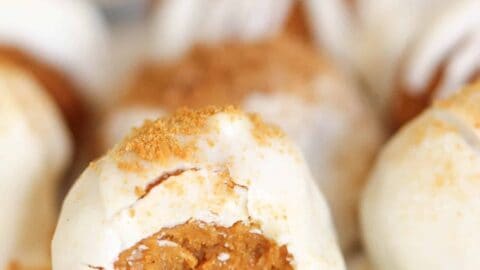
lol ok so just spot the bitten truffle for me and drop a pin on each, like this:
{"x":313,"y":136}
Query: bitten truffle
{"x":196,"y":190}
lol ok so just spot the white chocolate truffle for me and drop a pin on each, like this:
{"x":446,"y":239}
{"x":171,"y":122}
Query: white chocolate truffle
{"x":421,"y":207}
{"x":69,"y":35}
{"x":35,"y":150}
{"x":216,"y":165}
{"x":288,"y":84}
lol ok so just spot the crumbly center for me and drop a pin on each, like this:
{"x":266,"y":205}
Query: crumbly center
{"x":197,"y":245}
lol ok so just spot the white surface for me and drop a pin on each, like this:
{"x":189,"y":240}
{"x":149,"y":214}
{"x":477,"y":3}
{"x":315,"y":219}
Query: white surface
{"x":455,"y":37}
{"x":338,"y":144}
{"x":331,"y":24}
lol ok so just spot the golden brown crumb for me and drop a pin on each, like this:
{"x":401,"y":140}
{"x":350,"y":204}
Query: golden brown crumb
{"x":465,"y":100}
{"x":226,"y":74}
{"x":140,"y":192}
{"x":157,"y":141}
{"x":263,"y":132}
{"x":131,"y":212}
{"x":198,"y":245}
{"x":134,"y":166}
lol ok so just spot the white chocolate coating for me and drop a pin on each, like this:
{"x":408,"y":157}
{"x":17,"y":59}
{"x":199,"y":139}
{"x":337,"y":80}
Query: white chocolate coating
{"x":331,"y":25}
{"x":453,"y":36}
{"x":69,"y":35}
{"x":409,"y":41}
{"x":35,"y":150}
{"x":338,"y":145}
{"x":421,"y":207}
{"x":273,"y":187}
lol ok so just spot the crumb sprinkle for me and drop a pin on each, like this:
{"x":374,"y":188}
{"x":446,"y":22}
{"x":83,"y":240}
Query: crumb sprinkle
{"x":262,"y":131}
{"x":164,"y":139}
{"x":158,"y":140}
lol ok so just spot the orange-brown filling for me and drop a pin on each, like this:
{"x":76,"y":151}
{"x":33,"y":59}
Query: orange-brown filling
{"x":197,"y":245}
{"x":59,"y":86}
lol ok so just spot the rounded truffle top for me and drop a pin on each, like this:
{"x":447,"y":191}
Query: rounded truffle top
{"x":35,"y":150}
{"x":160,"y":139}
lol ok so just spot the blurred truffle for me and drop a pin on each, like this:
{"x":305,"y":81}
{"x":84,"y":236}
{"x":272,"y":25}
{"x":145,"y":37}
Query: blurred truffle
{"x":36,"y":150}
{"x":420,"y":209}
